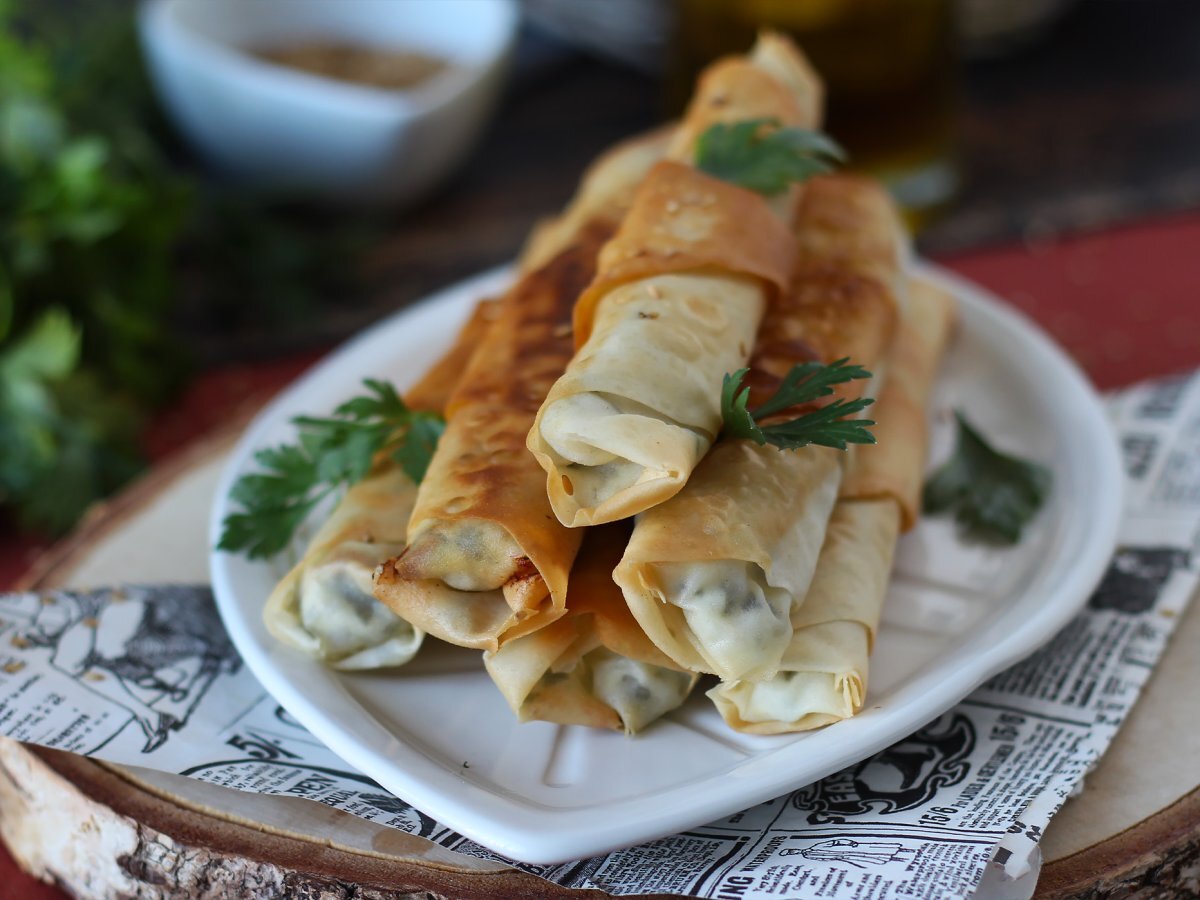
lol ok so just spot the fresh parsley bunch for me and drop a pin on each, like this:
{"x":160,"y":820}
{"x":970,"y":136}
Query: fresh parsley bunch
{"x":97,"y":221}
{"x":65,"y":438}
{"x":87,"y":226}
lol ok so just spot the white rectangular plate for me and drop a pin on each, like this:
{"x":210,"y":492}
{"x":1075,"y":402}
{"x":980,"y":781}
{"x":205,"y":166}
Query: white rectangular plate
{"x":438,"y":734}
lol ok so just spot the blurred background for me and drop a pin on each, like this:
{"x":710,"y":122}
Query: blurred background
{"x":178,"y":241}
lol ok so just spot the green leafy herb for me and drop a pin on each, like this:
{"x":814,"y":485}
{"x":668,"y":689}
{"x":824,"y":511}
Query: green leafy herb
{"x":65,"y":438}
{"x":828,"y":425}
{"x":110,"y":248}
{"x":90,"y":212}
{"x":333,"y":452}
{"x":760,"y":156}
{"x":88,"y":226}
{"x":993,"y":495}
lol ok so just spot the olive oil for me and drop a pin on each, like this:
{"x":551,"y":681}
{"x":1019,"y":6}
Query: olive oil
{"x":888,"y":67}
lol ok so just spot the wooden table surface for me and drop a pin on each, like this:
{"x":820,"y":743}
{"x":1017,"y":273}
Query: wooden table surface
{"x":1094,"y":130}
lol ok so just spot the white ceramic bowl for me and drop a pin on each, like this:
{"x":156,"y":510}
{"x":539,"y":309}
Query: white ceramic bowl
{"x":278,"y":128}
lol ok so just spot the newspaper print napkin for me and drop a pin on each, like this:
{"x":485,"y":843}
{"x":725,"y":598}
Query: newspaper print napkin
{"x":146,"y":676}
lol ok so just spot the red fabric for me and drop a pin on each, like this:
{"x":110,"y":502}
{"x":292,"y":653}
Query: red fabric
{"x":1123,"y":303}
{"x":16,"y":885}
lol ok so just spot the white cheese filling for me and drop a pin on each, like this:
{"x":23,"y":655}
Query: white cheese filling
{"x":639,"y":692}
{"x":337,"y":607}
{"x":467,"y":554}
{"x":790,"y":696}
{"x":739,"y":624}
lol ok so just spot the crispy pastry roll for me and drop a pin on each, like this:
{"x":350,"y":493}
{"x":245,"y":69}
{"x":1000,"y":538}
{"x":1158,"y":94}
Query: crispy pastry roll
{"x":823,"y":673}
{"x":823,"y":677}
{"x":676,"y":302}
{"x":324,"y":606}
{"x":433,"y":391}
{"x":894,"y":466}
{"x":714,"y":573}
{"x":594,"y":666}
{"x":487,"y":561}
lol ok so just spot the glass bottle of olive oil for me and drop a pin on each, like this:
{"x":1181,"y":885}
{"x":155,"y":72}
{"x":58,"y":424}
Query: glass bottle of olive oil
{"x":889,"y":70}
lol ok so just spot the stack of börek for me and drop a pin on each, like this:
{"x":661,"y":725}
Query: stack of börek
{"x":587,"y":519}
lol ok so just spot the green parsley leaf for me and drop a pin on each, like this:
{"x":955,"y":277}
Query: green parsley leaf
{"x":739,"y":422}
{"x":332,"y":452}
{"x":49,"y":349}
{"x":992,"y":494}
{"x":111,"y":248}
{"x":760,"y":156}
{"x":827,"y":426}
{"x":65,"y":438}
{"x":415,"y":453}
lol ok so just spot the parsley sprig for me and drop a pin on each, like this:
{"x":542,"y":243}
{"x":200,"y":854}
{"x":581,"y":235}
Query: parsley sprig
{"x":992,"y":494}
{"x":332,"y":452}
{"x":760,"y":156}
{"x":827,"y":426}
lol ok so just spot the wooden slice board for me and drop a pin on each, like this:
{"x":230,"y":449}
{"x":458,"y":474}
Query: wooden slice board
{"x":1135,"y":830}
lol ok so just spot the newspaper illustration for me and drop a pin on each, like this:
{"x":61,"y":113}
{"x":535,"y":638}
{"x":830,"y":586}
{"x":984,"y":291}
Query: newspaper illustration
{"x":146,"y":676}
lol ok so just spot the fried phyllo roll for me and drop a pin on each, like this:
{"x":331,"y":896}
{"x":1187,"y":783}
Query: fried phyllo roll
{"x":487,"y":561}
{"x":893,"y":468}
{"x":714,"y":573}
{"x":676,"y":302}
{"x":823,"y":676}
{"x":433,"y":390}
{"x":594,"y":666}
{"x":325,"y":605}
{"x":823,"y":673}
